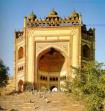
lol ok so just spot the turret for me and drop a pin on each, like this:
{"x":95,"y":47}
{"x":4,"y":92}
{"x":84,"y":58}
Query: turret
{"x":32,"y":16}
{"x":25,"y":22}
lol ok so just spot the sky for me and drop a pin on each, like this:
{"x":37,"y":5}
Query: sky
{"x":12,"y":13}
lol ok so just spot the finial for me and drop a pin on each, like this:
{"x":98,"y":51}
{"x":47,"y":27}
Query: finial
{"x":32,"y":12}
{"x":53,"y":9}
{"x":74,"y":11}
{"x":80,"y":18}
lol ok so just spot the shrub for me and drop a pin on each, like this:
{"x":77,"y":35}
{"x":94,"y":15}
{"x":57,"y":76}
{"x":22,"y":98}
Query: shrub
{"x":90,"y":83}
{"x":3,"y":74}
{"x":28,"y":86}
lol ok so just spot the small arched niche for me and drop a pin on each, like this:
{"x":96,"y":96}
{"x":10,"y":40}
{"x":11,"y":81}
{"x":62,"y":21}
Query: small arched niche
{"x":20,"y":53}
{"x":20,"y":85}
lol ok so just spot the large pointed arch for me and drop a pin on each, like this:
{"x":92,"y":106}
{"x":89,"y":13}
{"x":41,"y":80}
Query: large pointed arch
{"x":49,"y":66}
{"x":51,"y":58}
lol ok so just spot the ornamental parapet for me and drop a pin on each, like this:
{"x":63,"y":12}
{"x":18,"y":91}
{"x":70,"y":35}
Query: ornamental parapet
{"x":52,"y":20}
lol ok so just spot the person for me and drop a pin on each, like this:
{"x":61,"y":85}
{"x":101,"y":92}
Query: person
{"x":54,"y":89}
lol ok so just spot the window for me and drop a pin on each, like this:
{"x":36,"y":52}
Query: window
{"x":43,"y":78}
{"x":53,"y":78}
{"x":20,"y":68}
{"x":20,"y":53}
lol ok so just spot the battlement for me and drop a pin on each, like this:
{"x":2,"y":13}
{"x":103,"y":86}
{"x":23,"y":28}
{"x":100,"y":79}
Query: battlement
{"x":53,"y":20}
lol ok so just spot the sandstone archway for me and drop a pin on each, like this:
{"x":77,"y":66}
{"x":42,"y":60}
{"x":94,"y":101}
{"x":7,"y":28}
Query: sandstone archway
{"x":49,"y":66}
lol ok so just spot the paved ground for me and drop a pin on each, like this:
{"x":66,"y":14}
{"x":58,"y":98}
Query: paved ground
{"x":56,"y":101}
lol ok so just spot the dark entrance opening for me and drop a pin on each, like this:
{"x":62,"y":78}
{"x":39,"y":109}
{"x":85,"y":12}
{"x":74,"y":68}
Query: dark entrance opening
{"x":53,"y":89}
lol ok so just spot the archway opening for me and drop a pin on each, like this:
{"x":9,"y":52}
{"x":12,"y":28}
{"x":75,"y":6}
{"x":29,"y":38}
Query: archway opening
{"x":50,"y":63}
{"x":53,"y":89}
{"x":20,"y":86}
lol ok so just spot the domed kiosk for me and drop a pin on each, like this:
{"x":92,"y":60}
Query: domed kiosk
{"x":53,"y":13}
{"x":32,"y":16}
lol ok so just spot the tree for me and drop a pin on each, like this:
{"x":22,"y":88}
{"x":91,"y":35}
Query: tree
{"x":3,"y":74}
{"x":90,"y":83}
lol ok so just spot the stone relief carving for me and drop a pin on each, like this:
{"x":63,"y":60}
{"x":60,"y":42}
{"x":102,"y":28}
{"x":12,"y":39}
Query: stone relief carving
{"x":38,"y":33}
{"x":62,"y":46}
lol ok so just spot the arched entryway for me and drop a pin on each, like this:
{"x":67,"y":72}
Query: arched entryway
{"x":49,"y":67}
{"x":20,"y":86}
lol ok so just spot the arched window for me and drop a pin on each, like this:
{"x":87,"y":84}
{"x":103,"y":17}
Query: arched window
{"x":20,"y":53}
{"x":85,"y":51}
{"x":20,"y":86}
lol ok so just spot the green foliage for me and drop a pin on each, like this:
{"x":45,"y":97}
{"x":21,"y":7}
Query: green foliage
{"x":90,"y":83}
{"x":66,"y":87}
{"x":94,"y":103}
{"x":3,"y":74}
{"x":28,"y":86}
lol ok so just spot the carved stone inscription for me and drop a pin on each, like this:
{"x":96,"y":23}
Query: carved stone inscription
{"x":61,"y":46}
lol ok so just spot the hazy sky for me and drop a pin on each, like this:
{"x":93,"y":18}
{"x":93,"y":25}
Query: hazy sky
{"x":12,"y":13}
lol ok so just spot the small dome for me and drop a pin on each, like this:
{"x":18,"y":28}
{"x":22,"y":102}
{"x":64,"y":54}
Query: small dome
{"x":32,"y":16}
{"x":74,"y":14}
{"x":53,"y":13}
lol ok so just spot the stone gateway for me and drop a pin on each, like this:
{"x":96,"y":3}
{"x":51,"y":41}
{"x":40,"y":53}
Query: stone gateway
{"x":46,"y":49}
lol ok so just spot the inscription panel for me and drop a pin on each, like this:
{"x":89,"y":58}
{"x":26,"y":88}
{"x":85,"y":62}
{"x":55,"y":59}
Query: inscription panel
{"x":52,"y":32}
{"x":63,"y":47}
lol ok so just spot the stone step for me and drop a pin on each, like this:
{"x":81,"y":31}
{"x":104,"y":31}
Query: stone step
{"x":40,"y":102}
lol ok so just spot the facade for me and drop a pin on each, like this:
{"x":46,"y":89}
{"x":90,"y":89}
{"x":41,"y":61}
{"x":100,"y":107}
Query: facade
{"x":46,"y":49}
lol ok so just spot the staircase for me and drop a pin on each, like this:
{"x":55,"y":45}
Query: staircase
{"x":40,"y":101}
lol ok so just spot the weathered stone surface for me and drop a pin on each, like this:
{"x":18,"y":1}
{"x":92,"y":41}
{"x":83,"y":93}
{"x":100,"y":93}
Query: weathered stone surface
{"x":55,"y":101}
